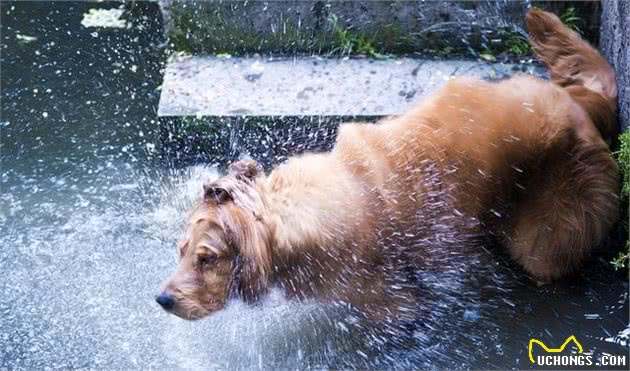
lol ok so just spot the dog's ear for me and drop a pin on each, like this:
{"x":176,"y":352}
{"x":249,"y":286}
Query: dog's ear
{"x":218,"y":195}
{"x":245,"y":169}
{"x":251,"y":239}
{"x":252,"y":285}
{"x":256,"y":267}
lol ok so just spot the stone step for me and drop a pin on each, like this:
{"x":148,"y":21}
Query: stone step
{"x":354,"y":27}
{"x":215,"y":109}
{"x":310,"y":86}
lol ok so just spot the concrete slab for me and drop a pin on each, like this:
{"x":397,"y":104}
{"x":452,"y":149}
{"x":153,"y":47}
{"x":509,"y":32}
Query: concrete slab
{"x":310,"y":86}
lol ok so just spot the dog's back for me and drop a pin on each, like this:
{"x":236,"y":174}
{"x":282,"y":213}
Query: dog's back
{"x":525,"y":156}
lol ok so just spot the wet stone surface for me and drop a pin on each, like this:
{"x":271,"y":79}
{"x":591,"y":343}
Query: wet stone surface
{"x":312,"y":86}
{"x":89,"y":220}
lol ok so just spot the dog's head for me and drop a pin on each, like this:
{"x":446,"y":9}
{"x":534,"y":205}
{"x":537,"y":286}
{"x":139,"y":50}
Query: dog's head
{"x":225,"y":250}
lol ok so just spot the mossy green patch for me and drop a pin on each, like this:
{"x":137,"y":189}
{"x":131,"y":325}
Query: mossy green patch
{"x":622,"y":155}
{"x":219,"y":29}
{"x":623,"y":158}
{"x":512,"y":41}
{"x":347,"y":42}
{"x":215,"y":31}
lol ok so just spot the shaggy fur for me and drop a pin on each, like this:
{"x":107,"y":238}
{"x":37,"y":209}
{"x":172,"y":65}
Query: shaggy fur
{"x":523,"y":160}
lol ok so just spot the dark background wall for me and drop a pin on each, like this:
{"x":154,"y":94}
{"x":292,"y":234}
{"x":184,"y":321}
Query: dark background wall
{"x":614,"y":44}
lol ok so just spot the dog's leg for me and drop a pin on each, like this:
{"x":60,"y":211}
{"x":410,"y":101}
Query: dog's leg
{"x":554,"y":230}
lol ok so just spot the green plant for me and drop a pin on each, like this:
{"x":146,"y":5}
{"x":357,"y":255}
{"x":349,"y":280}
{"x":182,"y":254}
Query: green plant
{"x":514,"y":42}
{"x":347,"y":42}
{"x":506,"y":40}
{"x":623,"y":159}
{"x":570,"y":19}
{"x":621,"y":261}
{"x":622,"y":155}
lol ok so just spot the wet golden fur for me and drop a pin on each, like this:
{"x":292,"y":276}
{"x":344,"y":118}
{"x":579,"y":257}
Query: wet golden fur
{"x":524,"y":159}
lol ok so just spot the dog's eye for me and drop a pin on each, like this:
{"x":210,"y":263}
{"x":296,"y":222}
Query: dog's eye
{"x":206,"y":260}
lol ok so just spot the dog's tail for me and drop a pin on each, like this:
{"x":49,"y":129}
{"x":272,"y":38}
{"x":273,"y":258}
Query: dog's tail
{"x":576,"y":66}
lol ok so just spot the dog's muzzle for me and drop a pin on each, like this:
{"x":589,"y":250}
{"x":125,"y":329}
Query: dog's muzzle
{"x":167,"y":301}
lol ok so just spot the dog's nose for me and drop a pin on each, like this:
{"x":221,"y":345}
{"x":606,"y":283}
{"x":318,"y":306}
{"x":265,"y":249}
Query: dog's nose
{"x":166,"y":301}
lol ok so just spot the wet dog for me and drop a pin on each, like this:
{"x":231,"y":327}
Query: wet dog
{"x":523,"y":160}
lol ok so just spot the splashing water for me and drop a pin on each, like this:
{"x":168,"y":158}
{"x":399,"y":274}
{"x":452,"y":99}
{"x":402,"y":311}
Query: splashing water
{"x":89,"y":221}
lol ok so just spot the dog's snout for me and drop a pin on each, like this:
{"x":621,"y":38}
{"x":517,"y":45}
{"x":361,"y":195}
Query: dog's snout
{"x":167,"y":301}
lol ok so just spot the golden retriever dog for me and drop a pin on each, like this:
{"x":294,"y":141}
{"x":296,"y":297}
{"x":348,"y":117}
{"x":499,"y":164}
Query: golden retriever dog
{"x":523,"y":160}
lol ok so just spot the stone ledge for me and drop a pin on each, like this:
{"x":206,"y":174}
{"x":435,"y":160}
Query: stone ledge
{"x":287,"y":27}
{"x":213,"y":110}
{"x":310,"y":86}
